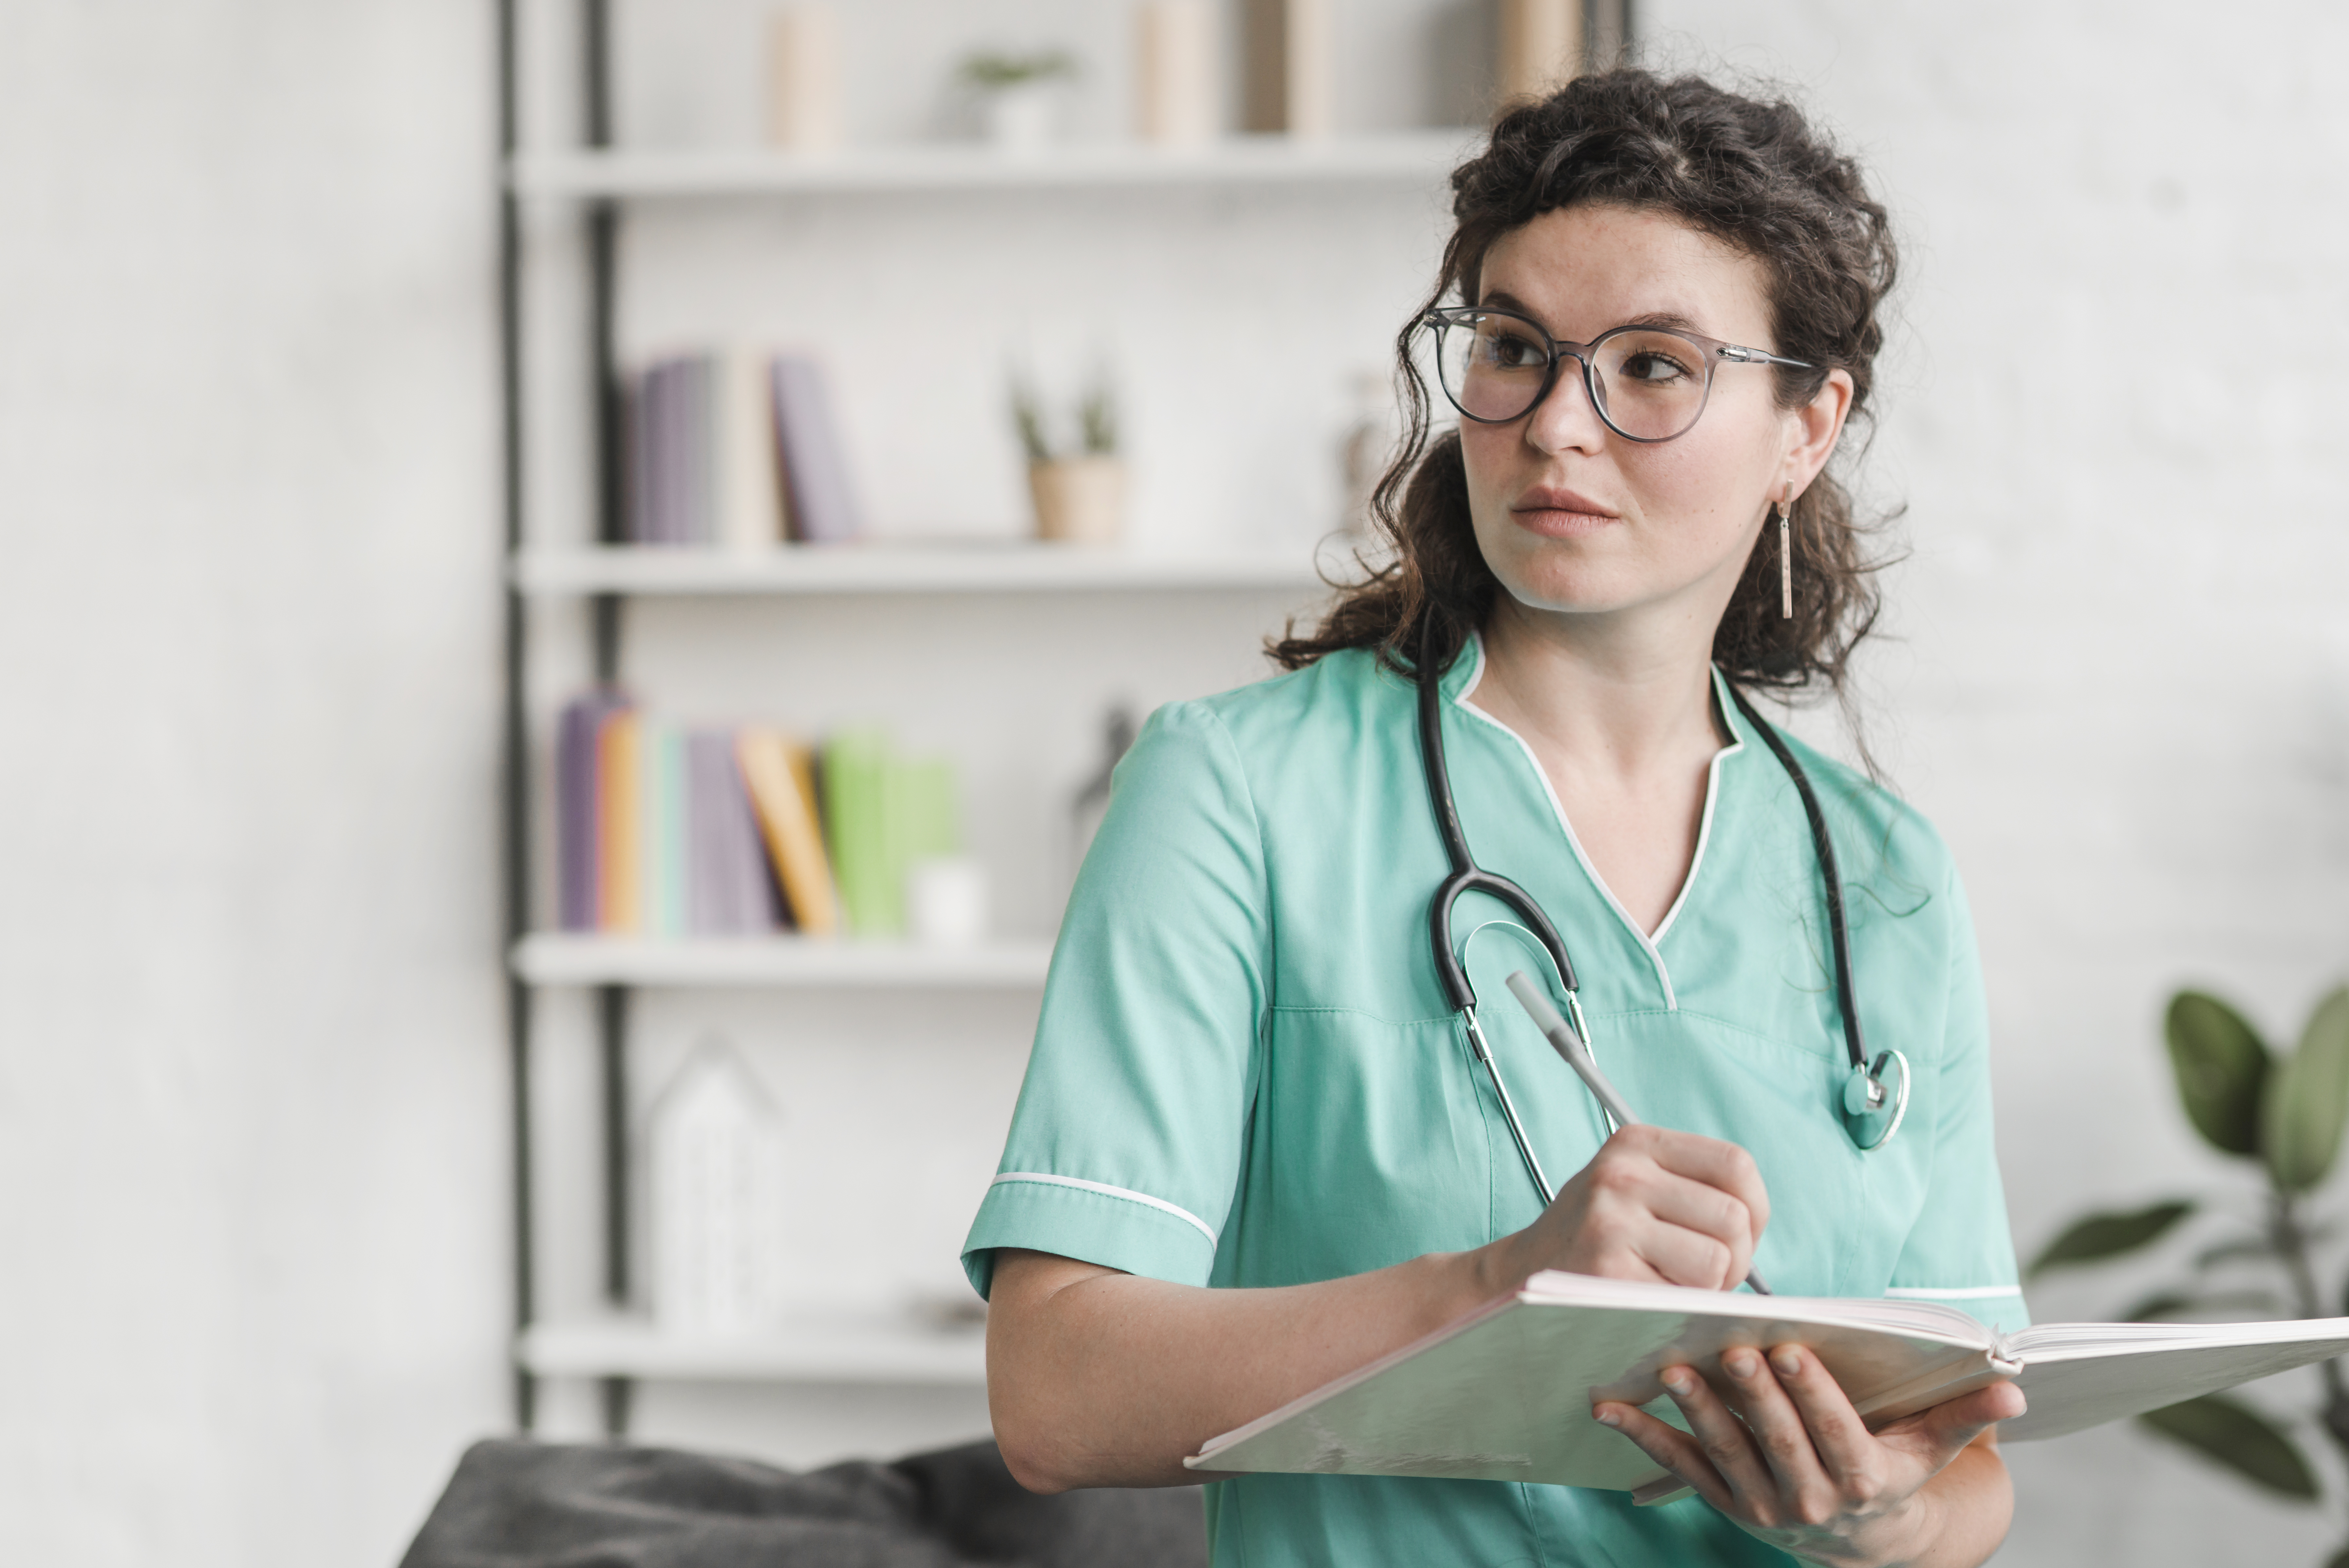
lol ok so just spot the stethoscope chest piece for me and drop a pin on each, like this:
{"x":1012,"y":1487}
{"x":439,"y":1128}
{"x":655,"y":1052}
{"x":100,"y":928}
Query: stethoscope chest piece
{"x":1872,"y":1108}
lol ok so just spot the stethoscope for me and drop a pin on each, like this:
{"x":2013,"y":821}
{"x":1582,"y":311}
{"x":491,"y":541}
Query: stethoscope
{"x":1866,"y":1103}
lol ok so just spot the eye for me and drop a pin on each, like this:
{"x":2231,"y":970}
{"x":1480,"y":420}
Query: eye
{"x":1508,"y":350}
{"x":1655,"y":367}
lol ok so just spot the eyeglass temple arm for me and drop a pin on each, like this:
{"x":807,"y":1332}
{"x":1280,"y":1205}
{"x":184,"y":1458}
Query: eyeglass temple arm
{"x":1737,"y":356}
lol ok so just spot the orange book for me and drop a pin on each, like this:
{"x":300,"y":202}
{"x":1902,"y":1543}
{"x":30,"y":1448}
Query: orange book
{"x":620,"y":822}
{"x":779,"y":778}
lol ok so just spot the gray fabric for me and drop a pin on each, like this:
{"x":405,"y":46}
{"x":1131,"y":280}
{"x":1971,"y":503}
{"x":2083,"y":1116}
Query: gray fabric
{"x":556,"y":1505}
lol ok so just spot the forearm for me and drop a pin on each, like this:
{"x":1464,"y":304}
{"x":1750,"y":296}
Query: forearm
{"x":1098,"y":1378}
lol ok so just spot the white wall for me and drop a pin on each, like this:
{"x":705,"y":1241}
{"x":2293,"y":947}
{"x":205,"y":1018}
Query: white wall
{"x":251,"y":1093}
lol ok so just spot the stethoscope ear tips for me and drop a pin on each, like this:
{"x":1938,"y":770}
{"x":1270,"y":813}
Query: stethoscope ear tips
{"x":1867,"y":1101}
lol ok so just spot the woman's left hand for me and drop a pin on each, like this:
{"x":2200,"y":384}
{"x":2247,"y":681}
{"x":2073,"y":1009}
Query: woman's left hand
{"x":1783,"y":1454}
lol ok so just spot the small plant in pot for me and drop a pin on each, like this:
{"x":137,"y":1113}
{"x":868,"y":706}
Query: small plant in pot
{"x":2254,"y":1249}
{"x":1018,"y":94}
{"x":1078,"y":488}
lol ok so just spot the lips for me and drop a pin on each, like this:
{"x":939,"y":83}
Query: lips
{"x":1550,"y":498}
{"x":1560,"y":513}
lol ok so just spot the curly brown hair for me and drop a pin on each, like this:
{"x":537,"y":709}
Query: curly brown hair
{"x":1751,"y":173}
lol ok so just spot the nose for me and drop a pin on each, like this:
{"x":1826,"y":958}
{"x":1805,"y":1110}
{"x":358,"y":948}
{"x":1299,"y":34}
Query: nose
{"x":1566,"y":419}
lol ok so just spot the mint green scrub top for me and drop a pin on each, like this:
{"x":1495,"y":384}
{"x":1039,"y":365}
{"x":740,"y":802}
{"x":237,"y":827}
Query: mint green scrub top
{"x":1246,"y":1072}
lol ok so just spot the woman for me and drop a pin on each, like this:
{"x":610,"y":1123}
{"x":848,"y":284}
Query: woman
{"x":1248,"y":1071}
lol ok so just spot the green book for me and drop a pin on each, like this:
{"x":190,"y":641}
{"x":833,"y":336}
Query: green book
{"x":881,"y":813}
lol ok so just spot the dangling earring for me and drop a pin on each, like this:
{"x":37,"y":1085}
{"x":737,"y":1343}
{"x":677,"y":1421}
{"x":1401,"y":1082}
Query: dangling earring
{"x":1786,"y":561}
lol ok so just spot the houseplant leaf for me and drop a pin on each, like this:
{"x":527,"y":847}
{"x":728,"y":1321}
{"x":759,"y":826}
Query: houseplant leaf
{"x":2221,"y":1064}
{"x":2095,"y":1237}
{"x":2240,"y":1438}
{"x":2306,"y":1100}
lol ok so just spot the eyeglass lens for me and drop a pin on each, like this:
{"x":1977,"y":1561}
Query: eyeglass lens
{"x":1650,"y":385}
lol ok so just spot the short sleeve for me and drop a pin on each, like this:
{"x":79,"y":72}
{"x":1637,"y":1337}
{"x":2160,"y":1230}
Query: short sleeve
{"x":1961,"y":1250}
{"x":1125,"y":1147}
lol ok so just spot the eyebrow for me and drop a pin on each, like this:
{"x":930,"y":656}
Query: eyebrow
{"x":1663,"y":320}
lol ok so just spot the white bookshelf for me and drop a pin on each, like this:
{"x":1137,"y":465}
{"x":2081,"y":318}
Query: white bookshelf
{"x":1405,"y":157}
{"x":565,"y":959}
{"x":884,"y":1350}
{"x":882,"y":568}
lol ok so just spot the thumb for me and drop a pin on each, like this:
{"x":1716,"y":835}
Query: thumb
{"x":1953,"y":1424}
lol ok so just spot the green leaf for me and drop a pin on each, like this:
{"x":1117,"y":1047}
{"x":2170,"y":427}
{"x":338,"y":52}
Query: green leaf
{"x":2306,"y":1102}
{"x":2222,"y":1065}
{"x":2099,"y":1236}
{"x":2240,"y":1438}
{"x":2229,"y":1250}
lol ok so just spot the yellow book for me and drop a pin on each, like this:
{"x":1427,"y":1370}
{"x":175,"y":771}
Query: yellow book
{"x":779,"y":780}
{"x":619,"y":822}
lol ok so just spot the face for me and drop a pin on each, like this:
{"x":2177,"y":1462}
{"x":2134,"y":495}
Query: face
{"x":1575,"y":519}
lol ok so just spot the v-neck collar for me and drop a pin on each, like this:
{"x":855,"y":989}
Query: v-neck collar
{"x":1459,"y":682}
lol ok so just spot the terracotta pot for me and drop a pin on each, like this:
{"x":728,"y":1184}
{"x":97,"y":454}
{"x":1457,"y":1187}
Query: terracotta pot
{"x":1078,"y":500}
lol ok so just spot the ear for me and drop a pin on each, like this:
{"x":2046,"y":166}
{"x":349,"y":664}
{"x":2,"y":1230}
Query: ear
{"x":1812,"y":431}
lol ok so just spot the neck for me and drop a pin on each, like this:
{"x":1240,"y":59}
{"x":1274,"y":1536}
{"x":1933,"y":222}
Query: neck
{"x":1599,"y":696}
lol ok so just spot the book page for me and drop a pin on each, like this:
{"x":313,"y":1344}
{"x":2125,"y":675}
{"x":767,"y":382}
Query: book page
{"x":1505,"y":1393}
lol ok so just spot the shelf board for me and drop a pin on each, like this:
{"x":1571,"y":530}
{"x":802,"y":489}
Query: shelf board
{"x":550,"y":958}
{"x":1402,"y":158}
{"x":896,"y":569}
{"x":884,"y":1351}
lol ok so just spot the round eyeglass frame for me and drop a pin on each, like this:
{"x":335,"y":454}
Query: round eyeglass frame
{"x":1712,"y":351}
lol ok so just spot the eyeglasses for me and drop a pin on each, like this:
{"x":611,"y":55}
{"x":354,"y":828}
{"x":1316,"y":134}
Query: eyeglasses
{"x":1649,"y":383}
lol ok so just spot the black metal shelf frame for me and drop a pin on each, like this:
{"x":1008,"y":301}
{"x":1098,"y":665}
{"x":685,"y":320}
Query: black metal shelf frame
{"x":602,"y":223}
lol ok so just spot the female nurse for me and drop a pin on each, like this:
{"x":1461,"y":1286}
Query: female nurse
{"x":1255,"y":1150}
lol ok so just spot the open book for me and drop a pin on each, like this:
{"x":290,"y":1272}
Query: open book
{"x":1504,"y":1394}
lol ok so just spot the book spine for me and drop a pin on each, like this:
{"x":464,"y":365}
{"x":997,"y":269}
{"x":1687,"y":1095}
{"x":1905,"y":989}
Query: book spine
{"x":620,"y":822}
{"x":663,"y":754}
{"x":794,"y":838}
{"x":749,"y":515}
{"x":574,"y":814}
{"x":823,"y":501}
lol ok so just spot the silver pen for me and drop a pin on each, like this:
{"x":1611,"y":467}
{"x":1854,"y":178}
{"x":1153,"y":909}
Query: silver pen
{"x":1570,"y":1045}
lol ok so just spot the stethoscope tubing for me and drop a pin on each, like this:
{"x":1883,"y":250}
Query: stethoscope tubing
{"x":1464,"y":876}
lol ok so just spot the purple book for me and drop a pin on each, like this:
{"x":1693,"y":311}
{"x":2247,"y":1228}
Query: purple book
{"x":821,"y":500}
{"x":574,"y":801}
{"x":728,"y":892}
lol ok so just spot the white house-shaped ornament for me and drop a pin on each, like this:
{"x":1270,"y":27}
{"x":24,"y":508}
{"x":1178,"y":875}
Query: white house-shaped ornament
{"x":714,"y":1166}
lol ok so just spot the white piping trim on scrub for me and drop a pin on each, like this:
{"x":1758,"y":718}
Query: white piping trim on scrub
{"x":1103,"y":1188}
{"x":1712,"y":786}
{"x":1712,"y":793}
{"x":1964,"y":1293}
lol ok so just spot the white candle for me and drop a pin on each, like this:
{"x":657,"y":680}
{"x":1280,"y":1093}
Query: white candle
{"x":1540,"y":48}
{"x":1290,"y":83}
{"x":1174,"y":74}
{"x":803,"y":79}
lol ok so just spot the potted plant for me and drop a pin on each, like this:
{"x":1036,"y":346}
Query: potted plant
{"x":1018,"y":94}
{"x":1079,"y":489}
{"x":2254,"y":1251}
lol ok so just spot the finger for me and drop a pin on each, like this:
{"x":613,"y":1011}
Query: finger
{"x":1681,"y":1256}
{"x":1776,"y":1424}
{"x":1706,"y":1209}
{"x":1669,"y":1447}
{"x":1708,"y":1160}
{"x":1644,"y":1204}
{"x":1728,"y":1447}
{"x":1937,"y":1435}
{"x":1844,"y":1447}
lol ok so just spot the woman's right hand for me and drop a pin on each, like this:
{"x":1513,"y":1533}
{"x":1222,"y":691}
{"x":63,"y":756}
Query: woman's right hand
{"x":1653,"y":1205}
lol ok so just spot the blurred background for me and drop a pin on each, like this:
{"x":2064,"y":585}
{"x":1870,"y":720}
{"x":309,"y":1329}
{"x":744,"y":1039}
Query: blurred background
{"x":259,"y":1198}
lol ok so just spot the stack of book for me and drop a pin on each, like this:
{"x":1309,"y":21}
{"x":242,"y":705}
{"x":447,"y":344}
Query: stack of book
{"x":670,"y":830}
{"x":736,"y":449}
